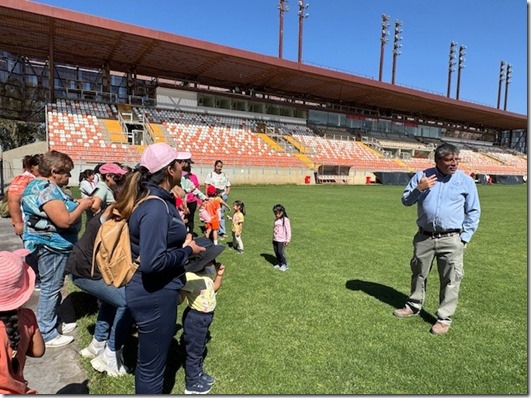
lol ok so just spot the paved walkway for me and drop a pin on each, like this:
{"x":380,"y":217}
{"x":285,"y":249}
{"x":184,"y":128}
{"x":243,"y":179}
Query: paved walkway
{"x":59,"y":370}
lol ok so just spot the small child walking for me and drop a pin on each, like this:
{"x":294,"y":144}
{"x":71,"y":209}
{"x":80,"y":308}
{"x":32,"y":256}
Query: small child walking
{"x":281,"y":236}
{"x":203,"y":280}
{"x":237,"y":225}
{"x":19,"y":332}
{"x":213,"y":207}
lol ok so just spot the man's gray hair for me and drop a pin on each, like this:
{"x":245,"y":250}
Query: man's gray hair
{"x":446,"y":149}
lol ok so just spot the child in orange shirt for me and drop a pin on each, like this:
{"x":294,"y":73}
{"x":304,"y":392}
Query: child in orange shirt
{"x":213,"y":207}
{"x":19,"y":332}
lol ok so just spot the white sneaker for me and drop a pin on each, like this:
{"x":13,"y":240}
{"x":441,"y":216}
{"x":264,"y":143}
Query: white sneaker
{"x":276,"y":266}
{"x":94,"y":349}
{"x":59,"y":341}
{"x":110,"y":362}
{"x":68,"y":327}
{"x":283,"y":267}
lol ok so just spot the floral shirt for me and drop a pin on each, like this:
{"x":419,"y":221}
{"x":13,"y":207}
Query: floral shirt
{"x":39,"y":229}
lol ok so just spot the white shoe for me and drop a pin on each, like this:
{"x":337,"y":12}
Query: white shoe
{"x":283,"y":267}
{"x":94,"y":349}
{"x":59,"y":341}
{"x":110,"y":362}
{"x":68,"y":327}
{"x":276,"y":266}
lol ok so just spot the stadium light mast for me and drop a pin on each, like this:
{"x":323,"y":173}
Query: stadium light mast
{"x":302,"y":16}
{"x":451,"y":64}
{"x":508,"y":73}
{"x":383,"y":40}
{"x":396,"y":47}
{"x":460,"y":66}
{"x":282,"y":8}
{"x":500,"y":81}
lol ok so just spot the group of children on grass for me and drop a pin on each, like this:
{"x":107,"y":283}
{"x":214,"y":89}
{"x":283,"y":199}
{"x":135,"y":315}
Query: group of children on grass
{"x":20,"y":335}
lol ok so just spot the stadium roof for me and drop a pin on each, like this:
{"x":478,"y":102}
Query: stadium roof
{"x":34,"y":30}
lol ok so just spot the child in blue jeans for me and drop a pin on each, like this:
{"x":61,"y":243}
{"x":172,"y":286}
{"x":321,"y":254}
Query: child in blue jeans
{"x":203,"y":280}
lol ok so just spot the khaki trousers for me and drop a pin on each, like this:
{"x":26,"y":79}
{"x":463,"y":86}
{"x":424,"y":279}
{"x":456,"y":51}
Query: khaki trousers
{"x":448,"y":251}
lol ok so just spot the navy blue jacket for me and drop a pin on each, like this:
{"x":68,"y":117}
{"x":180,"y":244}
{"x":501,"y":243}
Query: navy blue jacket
{"x":157,"y":236}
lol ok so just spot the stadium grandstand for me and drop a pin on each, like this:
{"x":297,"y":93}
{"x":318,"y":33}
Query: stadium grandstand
{"x":106,"y":89}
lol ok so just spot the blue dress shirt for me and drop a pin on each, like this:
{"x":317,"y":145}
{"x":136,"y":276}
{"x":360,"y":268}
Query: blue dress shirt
{"x":452,"y":203}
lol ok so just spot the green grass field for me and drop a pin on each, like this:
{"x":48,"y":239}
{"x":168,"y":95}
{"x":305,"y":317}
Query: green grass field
{"x":326,"y":327}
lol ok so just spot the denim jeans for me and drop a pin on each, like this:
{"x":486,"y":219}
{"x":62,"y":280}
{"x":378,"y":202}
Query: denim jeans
{"x":114,"y":320}
{"x":222,"y":230}
{"x":195,"y":332}
{"x":51,"y":269}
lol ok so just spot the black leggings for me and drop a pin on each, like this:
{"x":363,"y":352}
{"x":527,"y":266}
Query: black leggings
{"x":280,"y":252}
{"x":192,"y":206}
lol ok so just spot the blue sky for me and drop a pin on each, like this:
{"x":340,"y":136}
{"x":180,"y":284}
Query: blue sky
{"x":345,"y":35}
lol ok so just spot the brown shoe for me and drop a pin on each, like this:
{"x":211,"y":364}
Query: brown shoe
{"x":405,"y":312}
{"x":439,"y":328}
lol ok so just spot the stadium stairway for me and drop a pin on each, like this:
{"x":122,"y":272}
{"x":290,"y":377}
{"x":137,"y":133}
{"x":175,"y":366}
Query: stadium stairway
{"x":159,"y":133}
{"x":270,"y":142}
{"x":115,"y":131}
{"x":402,"y":164}
{"x":298,"y":145}
{"x":306,"y":160}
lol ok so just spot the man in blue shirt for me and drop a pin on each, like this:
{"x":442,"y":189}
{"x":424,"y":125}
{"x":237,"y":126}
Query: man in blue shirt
{"x":447,"y":216}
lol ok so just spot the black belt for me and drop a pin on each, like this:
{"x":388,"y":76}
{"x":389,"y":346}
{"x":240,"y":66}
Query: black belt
{"x":440,"y":234}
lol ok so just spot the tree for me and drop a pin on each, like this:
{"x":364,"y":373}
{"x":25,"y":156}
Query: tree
{"x":15,"y":133}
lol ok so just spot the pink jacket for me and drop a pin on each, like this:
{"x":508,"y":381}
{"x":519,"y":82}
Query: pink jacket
{"x":282,"y":230}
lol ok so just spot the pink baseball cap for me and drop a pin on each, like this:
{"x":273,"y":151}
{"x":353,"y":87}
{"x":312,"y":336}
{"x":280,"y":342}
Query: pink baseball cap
{"x":17,"y":279}
{"x":112,"y":168}
{"x":157,"y":156}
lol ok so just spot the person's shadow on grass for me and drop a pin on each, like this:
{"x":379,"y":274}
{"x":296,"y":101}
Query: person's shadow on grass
{"x":269,"y":258}
{"x":74,"y":388}
{"x":386,"y":295}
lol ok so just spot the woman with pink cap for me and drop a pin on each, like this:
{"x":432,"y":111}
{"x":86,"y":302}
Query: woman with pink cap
{"x":158,"y":236}
{"x":111,"y":175}
{"x":19,"y":333}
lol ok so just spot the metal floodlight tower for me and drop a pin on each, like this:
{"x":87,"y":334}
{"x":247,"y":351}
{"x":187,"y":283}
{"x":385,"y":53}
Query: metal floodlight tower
{"x":282,"y":9}
{"x":451,"y":64}
{"x":302,"y":16}
{"x":383,"y":40}
{"x":460,"y":66}
{"x":508,"y":74}
{"x":500,"y":81}
{"x":396,"y":47}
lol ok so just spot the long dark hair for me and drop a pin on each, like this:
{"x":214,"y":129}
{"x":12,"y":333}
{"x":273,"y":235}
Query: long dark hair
{"x":10,"y":319}
{"x":136,"y":188}
{"x":241,"y":205}
{"x":280,"y":208}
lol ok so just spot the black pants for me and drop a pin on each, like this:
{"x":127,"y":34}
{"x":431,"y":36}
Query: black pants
{"x":280,"y":252}
{"x":192,"y":206}
{"x":195,"y":332}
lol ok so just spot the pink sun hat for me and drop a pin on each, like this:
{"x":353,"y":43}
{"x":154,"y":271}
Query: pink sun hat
{"x":17,"y":279}
{"x":157,"y":156}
